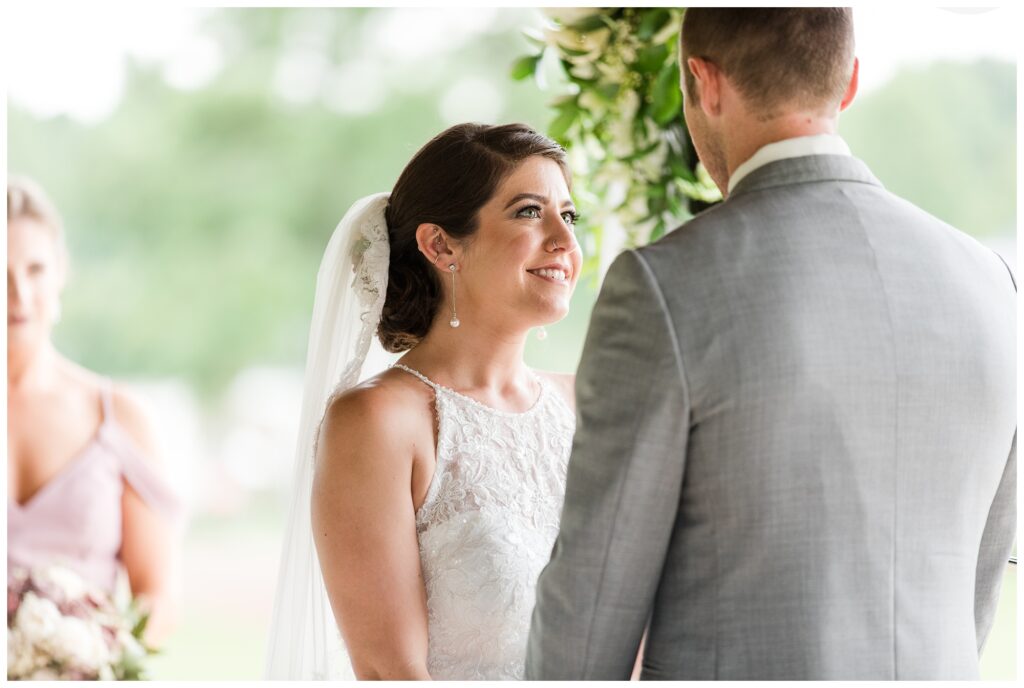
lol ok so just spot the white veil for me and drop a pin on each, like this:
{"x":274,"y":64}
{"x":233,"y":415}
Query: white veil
{"x":305,"y":642}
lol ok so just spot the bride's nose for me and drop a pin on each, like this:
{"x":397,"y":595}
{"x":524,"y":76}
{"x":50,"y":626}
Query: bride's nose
{"x":561,"y":237}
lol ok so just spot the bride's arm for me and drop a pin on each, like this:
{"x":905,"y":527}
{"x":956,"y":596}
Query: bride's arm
{"x":638,"y":665}
{"x":365,"y":532}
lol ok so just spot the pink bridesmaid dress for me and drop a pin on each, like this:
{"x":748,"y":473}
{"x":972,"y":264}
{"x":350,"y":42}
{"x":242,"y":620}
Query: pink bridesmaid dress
{"x":75,"y":519}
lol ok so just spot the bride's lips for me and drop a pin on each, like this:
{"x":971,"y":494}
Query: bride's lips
{"x":558,"y":274}
{"x":14,"y":320}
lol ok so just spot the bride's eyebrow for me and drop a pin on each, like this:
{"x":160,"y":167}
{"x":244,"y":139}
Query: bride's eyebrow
{"x":524,"y":196}
{"x":534,"y":197}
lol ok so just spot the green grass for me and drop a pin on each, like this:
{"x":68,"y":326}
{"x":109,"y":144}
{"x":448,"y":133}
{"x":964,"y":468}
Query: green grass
{"x":209,"y":646}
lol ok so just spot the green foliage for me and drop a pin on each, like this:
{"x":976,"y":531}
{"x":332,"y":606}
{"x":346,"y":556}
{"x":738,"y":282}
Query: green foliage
{"x":621,"y":119}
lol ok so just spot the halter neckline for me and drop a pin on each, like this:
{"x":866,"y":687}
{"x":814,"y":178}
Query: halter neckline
{"x":479,"y":404}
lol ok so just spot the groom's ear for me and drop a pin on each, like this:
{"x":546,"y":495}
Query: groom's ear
{"x":708,"y":80}
{"x":433,"y":243}
{"x":851,"y":88}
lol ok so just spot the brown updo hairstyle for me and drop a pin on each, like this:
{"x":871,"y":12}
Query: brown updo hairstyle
{"x":446,"y":183}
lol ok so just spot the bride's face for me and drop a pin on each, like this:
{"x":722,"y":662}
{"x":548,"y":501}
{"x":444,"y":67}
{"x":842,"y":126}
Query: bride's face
{"x":522,"y":264}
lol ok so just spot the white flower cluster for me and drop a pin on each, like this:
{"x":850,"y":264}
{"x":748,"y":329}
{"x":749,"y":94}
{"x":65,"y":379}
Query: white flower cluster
{"x":621,"y":119}
{"x":45,"y":644}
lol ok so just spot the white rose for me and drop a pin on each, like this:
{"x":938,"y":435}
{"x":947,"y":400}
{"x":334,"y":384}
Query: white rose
{"x":22,"y":658}
{"x":67,"y":581}
{"x":80,"y":643}
{"x":37,"y":617}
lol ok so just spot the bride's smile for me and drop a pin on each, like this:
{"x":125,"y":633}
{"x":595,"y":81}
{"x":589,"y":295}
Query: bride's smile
{"x":522,"y":265}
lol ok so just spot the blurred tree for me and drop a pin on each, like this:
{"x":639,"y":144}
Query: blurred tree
{"x":944,"y":136}
{"x":197,"y":219}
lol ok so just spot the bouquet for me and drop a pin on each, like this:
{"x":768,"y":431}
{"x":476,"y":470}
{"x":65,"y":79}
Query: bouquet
{"x":59,"y":628}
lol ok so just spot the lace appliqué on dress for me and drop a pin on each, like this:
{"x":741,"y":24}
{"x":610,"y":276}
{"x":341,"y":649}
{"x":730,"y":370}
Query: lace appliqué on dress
{"x":486,"y":529}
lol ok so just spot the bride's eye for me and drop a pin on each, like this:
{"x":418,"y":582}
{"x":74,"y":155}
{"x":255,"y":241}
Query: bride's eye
{"x":570,"y":217}
{"x":531,"y":212}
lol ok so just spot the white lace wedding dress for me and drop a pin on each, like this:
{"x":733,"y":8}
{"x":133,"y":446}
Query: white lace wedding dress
{"x":487,"y":526}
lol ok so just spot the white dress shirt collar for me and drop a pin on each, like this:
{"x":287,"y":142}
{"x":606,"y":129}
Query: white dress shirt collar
{"x":819,"y":144}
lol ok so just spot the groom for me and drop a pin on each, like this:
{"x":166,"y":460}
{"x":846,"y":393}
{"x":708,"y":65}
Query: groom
{"x":796,"y":446}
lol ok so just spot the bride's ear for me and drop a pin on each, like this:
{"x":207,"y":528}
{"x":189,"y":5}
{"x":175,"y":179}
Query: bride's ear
{"x":433,"y":243}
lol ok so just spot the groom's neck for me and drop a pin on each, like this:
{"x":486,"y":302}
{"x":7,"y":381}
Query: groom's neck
{"x":748,"y":134}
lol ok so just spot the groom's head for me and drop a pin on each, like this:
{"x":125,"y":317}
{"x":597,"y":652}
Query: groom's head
{"x":747,"y":69}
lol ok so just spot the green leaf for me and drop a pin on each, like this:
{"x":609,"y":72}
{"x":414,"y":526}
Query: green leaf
{"x":681,"y":170}
{"x":654,"y":20}
{"x":560,"y":126}
{"x":571,"y":52}
{"x":525,"y":66}
{"x":580,"y":81}
{"x":642,"y":153}
{"x":608,"y":91}
{"x":650,"y":59}
{"x":567,"y":102}
{"x":668,"y":99}
{"x":140,"y":626}
{"x":588,"y":24}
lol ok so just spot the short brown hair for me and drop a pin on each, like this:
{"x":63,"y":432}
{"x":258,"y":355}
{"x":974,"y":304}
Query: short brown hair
{"x":446,"y":183}
{"x":799,"y":55}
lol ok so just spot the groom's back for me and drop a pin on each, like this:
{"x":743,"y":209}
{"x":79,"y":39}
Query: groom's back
{"x":850,"y":365}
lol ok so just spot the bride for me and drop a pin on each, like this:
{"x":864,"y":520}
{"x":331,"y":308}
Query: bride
{"x":427,"y":496}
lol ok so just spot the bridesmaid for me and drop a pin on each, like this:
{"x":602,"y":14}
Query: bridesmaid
{"x":84,"y":489}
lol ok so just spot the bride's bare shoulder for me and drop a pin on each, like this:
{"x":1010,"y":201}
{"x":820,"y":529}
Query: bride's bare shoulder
{"x":387,"y":411}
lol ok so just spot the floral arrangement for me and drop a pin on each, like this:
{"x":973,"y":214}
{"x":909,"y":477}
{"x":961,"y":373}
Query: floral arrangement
{"x":58,"y":628}
{"x":621,"y":117}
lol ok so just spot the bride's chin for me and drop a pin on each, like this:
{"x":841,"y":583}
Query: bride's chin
{"x":552,"y":315}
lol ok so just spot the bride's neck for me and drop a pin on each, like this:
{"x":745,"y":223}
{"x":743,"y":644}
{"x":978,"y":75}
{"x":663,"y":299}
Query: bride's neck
{"x":471,"y":356}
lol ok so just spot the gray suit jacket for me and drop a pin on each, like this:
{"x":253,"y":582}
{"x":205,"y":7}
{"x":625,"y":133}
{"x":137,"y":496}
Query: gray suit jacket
{"x":796,"y":446}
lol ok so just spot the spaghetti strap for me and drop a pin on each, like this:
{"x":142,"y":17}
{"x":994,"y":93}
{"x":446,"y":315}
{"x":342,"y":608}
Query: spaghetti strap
{"x":418,"y":374}
{"x":451,"y":393}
